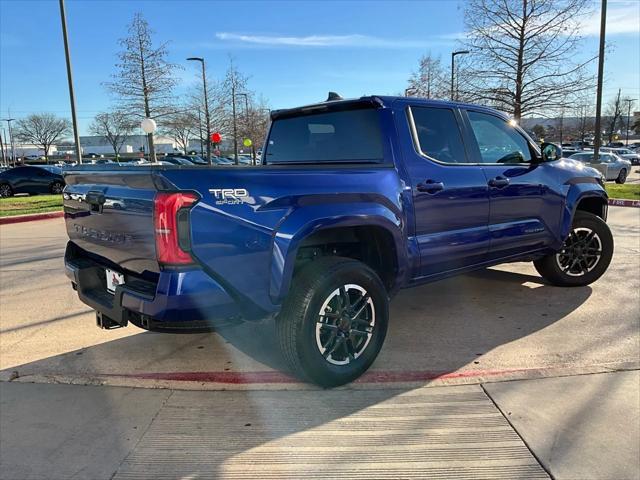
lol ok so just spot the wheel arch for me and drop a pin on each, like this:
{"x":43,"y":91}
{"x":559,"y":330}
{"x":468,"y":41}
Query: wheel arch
{"x":374,"y":235}
{"x":590,"y":200}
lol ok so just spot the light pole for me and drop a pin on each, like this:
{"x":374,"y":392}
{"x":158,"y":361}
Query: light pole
{"x":206,"y":105}
{"x":72,"y":99}
{"x":598,"y":133}
{"x":453,"y":60}
{"x":13,"y":150}
{"x":4,"y":163}
{"x":629,"y":102}
{"x":235,"y":125}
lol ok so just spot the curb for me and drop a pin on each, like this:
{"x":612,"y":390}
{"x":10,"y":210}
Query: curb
{"x":619,"y":202}
{"x":30,"y":218}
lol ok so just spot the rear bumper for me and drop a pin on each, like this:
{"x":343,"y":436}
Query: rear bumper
{"x":181,"y":300}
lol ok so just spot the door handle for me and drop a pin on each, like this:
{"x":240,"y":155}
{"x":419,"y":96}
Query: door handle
{"x":430,"y":186}
{"x":499,"y":182}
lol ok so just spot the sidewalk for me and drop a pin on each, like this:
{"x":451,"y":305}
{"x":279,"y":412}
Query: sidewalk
{"x":578,"y":427}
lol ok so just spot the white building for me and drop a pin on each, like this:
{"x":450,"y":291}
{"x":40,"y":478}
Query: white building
{"x":132,"y":144}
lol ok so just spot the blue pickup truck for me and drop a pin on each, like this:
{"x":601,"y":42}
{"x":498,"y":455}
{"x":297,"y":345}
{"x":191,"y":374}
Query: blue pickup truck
{"x":354,"y":200}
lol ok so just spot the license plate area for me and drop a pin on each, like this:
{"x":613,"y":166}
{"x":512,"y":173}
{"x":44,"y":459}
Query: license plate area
{"x":113,"y":280}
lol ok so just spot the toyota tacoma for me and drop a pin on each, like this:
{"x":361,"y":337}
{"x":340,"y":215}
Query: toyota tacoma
{"x":353,"y":201}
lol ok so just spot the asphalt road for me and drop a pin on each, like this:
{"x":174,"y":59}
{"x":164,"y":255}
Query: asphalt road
{"x":496,"y":324}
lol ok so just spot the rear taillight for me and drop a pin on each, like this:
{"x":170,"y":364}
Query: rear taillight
{"x":171,"y":224}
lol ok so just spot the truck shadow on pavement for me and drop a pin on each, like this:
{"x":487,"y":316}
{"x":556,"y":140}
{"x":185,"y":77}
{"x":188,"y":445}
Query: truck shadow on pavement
{"x":440,"y":327}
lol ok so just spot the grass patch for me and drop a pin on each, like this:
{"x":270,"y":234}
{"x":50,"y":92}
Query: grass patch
{"x":628,"y":191}
{"x":33,"y":204}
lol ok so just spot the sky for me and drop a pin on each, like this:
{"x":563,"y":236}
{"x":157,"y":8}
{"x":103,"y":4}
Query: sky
{"x":293,"y":52}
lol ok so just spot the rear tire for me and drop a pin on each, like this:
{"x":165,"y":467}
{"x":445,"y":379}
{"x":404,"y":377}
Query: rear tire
{"x":334,"y":321}
{"x":584,"y":256}
{"x":622,"y":176}
{"x":6,"y":190}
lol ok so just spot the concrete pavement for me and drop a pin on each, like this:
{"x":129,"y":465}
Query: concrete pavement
{"x":499,"y":323}
{"x":583,"y":427}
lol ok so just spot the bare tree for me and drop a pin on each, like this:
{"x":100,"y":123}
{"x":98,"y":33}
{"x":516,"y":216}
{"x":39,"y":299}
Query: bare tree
{"x":182,"y":127}
{"x":522,"y":51}
{"x":614,"y":117}
{"x":429,"y":80}
{"x":145,"y":79}
{"x":114,"y":126}
{"x":42,"y":130}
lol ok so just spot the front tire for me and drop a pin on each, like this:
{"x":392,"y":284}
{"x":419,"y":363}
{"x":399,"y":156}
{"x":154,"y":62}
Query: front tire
{"x":334,"y":321}
{"x":622,"y":176}
{"x":584,"y":256}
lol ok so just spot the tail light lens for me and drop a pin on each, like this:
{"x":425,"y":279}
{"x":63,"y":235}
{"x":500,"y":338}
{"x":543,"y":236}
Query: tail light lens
{"x":171,"y":223}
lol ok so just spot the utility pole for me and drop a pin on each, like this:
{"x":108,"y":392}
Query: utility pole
{"x":629,"y":102}
{"x":453,"y":59}
{"x":206,"y":106}
{"x":72,"y":98}
{"x":598,"y":133}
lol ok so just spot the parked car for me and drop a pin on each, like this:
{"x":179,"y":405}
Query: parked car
{"x":615,"y":144}
{"x":610,"y":165}
{"x":31,"y":180}
{"x":625,"y":153}
{"x":322,"y":235}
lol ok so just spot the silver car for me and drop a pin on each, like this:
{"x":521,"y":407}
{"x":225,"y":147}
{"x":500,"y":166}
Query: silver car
{"x":610,"y":165}
{"x":625,"y":153}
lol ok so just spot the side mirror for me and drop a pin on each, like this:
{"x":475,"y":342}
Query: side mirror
{"x":550,"y":152}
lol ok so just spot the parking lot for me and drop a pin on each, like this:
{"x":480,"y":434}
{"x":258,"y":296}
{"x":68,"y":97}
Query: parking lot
{"x":480,"y":329}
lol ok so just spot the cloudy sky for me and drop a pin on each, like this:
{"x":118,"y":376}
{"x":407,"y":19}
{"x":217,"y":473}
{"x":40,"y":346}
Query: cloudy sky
{"x":294,"y":52}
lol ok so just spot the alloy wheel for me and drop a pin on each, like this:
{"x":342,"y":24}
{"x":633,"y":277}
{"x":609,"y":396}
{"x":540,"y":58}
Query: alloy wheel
{"x":345,"y":324}
{"x":580,"y":253}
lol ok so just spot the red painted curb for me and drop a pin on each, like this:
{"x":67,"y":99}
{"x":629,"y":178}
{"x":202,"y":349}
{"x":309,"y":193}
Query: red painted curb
{"x":620,"y":202}
{"x":30,"y":218}
{"x":244,"y":378}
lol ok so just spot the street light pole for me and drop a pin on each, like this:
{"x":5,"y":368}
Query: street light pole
{"x":4,"y":163}
{"x":453,"y":59}
{"x":235,"y":126}
{"x":72,"y":98}
{"x":629,"y":102}
{"x":206,"y":106}
{"x":598,"y":133}
{"x":13,"y":150}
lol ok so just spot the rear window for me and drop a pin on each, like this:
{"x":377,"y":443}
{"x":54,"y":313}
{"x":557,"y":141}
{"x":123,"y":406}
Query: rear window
{"x":346,"y":136}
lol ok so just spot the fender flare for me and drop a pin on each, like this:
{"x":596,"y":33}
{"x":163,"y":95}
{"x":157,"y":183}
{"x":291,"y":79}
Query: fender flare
{"x":306,"y":221}
{"x":576,"y":194}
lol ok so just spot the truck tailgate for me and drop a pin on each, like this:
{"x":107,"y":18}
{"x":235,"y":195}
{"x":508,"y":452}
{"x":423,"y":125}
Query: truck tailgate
{"x":109,"y":213}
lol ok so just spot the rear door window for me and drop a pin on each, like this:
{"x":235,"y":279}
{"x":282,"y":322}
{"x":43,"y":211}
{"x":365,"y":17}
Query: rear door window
{"x":438,"y":135}
{"x":348,"y":136}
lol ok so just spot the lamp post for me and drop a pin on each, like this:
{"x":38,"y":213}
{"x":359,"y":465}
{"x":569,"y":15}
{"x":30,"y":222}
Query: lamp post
{"x":629,"y":102}
{"x":4,"y":163}
{"x":13,"y":150}
{"x":453,"y":59}
{"x":149,"y":126}
{"x":206,"y":105}
{"x":598,"y":133}
{"x":72,"y":98}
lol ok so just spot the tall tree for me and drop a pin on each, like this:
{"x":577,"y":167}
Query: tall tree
{"x":42,"y":130}
{"x":429,"y":80}
{"x":182,"y":127}
{"x":522,"y":51}
{"x":115,"y":127}
{"x":614,"y":117}
{"x":144,"y":79}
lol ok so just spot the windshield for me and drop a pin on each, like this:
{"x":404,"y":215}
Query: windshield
{"x":334,"y":137}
